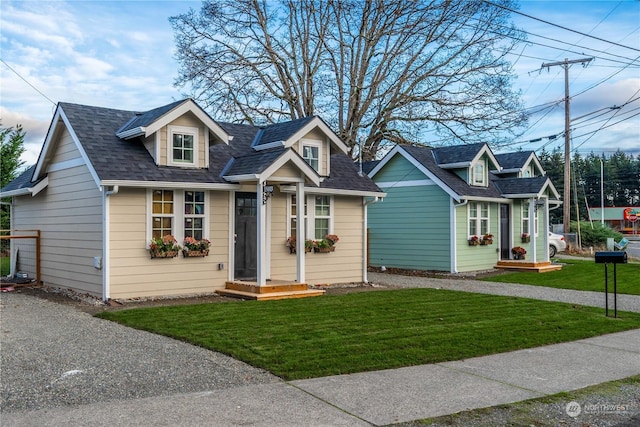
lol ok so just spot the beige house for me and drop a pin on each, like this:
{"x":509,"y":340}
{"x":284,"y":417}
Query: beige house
{"x":108,"y":181}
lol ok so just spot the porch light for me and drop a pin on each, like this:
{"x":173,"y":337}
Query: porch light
{"x":267,"y":192}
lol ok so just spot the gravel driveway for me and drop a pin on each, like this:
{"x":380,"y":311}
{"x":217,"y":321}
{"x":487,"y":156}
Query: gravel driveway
{"x":67,"y":357}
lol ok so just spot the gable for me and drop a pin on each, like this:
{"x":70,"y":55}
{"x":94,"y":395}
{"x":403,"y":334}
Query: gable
{"x":398,"y":169}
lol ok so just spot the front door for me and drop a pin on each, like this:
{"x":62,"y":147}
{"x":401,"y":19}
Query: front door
{"x":246,"y":236}
{"x":505,"y":232}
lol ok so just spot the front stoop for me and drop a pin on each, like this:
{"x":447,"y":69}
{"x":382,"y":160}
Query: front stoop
{"x":524,"y":265}
{"x":272,"y":291}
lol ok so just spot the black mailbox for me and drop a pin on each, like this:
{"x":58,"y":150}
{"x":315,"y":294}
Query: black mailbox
{"x":611,"y":257}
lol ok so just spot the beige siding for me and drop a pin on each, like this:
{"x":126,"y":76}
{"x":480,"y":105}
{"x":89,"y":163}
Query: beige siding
{"x":289,"y":170}
{"x":342,"y":266}
{"x":150,"y":145}
{"x":132,"y":272}
{"x":187,"y":120}
{"x":69,"y":214}
{"x":317,"y":135}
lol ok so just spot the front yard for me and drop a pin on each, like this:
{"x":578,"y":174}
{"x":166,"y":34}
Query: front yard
{"x":579,"y":275}
{"x":355,"y":332}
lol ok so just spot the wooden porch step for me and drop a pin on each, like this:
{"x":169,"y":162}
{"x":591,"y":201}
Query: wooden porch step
{"x":270,"y":288}
{"x":264,"y":296}
{"x":539,"y":267}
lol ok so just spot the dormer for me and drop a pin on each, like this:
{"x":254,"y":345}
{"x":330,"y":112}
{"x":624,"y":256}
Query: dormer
{"x":520,"y":164}
{"x":471,"y":163}
{"x":309,"y":137}
{"x":178,"y":134}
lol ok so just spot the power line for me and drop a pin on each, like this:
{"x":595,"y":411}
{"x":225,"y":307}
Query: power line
{"x":560,"y":26}
{"x":27,"y":82}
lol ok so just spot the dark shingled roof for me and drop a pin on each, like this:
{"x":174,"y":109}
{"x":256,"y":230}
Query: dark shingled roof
{"x":369,"y":166}
{"x":456,"y":153}
{"x":426,"y":158}
{"x":521,"y":185}
{"x":128,"y":160}
{"x":22,"y":181}
{"x":514,"y":160}
{"x":282,"y":131}
{"x":146,"y":118}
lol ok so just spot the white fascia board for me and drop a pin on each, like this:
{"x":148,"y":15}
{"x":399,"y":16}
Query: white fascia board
{"x":317,"y":122}
{"x":17,"y":192}
{"x":399,"y":150}
{"x":486,"y":199}
{"x":48,"y":146}
{"x":291,"y":156}
{"x":183,"y":108}
{"x":332,"y":191}
{"x":486,"y":150}
{"x":170,"y":184}
{"x":275,"y":144}
{"x":533,"y":158}
{"x":44,"y":152}
{"x":512,"y":170}
{"x":37,"y":188}
{"x":80,"y":148}
{"x":458,"y":165}
{"x":549,"y":185}
{"x":132,"y":133}
{"x":241,"y":178}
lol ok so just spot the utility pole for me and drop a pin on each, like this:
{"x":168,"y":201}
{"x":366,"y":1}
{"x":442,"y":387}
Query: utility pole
{"x":566,"y":212}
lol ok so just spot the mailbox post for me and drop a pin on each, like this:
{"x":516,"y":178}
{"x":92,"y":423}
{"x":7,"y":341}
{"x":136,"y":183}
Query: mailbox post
{"x":614,"y":258}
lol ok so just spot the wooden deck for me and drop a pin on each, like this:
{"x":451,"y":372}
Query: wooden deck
{"x":271,"y":291}
{"x":524,"y":265}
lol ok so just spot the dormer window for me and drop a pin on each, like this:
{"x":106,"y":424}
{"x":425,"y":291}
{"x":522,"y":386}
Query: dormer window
{"x":182,"y":145}
{"x":311,"y":153}
{"x":478,"y":174}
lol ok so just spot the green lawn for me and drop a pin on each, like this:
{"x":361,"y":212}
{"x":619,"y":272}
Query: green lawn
{"x":5,"y":266}
{"x":579,"y":275}
{"x":313,"y":337}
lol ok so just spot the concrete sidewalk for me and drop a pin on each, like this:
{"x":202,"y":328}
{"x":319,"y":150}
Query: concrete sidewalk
{"x":372,"y":398}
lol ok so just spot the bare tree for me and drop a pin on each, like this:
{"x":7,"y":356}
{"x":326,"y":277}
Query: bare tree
{"x":378,"y":71}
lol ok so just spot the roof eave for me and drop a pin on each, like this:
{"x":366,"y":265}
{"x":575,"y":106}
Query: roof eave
{"x":132,"y":133}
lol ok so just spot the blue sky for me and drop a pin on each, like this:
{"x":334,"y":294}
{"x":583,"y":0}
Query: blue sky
{"x":120,"y":54}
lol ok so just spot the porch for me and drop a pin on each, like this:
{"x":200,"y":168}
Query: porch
{"x":273,"y":290}
{"x":524,"y":265}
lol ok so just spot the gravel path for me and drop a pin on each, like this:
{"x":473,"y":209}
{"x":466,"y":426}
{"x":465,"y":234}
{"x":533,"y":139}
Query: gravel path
{"x":51,"y":362}
{"x":594,"y":299}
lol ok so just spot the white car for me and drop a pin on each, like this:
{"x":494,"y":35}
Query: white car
{"x":556,"y":244}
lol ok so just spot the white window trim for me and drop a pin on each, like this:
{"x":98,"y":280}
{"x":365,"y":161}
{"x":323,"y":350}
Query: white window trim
{"x":313,"y":143}
{"x":182,"y":130}
{"x":310,"y":217}
{"x":523,"y":218}
{"x":478,"y":218}
{"x":178,"y":214}
{"x":472,"y":181}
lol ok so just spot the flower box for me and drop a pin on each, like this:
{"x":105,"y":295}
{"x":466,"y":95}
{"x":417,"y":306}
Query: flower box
{"x":162,"y":254}
{"x":188,"y":253}
{"x":485,"y":242}
{"x":525,"y":238}
{"x":474,"y":242}
{"x":325,"y":249}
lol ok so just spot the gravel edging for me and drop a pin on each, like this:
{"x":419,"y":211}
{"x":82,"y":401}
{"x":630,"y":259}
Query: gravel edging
{"x":63,"y":356}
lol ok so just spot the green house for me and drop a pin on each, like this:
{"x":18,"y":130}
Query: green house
{"x":459,"y":208}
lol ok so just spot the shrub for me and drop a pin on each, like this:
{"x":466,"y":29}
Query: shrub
{"x":595,"y":235}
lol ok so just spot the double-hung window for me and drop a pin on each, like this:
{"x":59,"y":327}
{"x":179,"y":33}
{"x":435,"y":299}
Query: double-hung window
{"x":525,"y":219}
{"x":162,"y":213}
{"x":182,"y":143}
{"x":178,"y":213}
{"x":312,"y":153}
{"x":317,"y":217}
{"x":194,"y":214}
{"x":478,"y":218}
{"x":478,"y":174}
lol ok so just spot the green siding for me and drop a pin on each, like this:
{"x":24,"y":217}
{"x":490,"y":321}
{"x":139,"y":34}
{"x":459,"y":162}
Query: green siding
{"x":398,"y":169}
{"x":410,"y":229}
{"x":517,"y":231}
{"x":472,"y":258}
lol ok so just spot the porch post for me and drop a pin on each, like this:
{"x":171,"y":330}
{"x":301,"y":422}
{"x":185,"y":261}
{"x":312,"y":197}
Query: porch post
{"x":545,"y":223}
{"x":300,"y":233}
{"x":261,"y":271}
{"x":532,"y":227}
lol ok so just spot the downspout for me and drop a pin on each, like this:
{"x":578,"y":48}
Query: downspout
{"x":366,"y":204}
{"x":106,"y":230}
{"x":452,"y":241}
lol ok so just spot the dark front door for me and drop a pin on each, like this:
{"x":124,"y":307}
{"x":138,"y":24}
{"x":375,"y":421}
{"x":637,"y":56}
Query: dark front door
{"x":246,"y":236}
{"x":505,"y":231}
